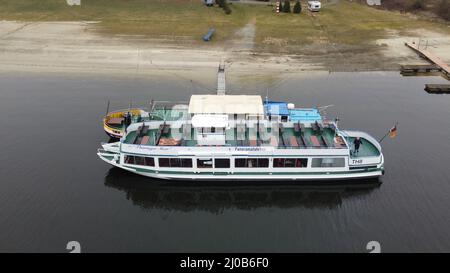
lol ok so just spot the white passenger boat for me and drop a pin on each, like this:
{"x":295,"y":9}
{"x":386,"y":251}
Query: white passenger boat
{"x":241,"y":137}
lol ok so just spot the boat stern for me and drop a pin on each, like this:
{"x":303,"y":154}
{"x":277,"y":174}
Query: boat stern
{"x":369,"y":156}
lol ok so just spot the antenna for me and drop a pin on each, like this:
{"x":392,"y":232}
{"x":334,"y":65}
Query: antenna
{"x":151,"y":105}
{"x":336,"y":121}
{"x":107,"y":108}
{"x":322,"y":109}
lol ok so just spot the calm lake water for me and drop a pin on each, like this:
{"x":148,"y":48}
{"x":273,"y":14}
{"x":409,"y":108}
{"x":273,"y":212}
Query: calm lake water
{"x":54,"y":189}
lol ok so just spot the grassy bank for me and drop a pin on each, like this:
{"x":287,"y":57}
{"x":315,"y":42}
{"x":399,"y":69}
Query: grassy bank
{"x":344,"y":23}
{"x":165,"y":18}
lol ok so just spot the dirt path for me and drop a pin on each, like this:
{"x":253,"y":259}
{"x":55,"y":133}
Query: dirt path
{"x":243,"y":39}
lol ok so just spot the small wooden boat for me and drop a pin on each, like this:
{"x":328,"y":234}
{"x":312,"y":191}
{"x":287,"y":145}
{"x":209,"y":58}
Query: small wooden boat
{"x":115,"y":122}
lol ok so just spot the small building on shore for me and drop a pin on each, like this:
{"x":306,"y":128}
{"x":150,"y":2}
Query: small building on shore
{"x":209,"y":3}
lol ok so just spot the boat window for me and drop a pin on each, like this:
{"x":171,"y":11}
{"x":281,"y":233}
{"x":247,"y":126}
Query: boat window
{"x":240,"y":163}
{"x":139,"y":160}
{"x":204,"y":163}
{"x":263,"y":162}
{"x":221,"y":163}
{"x":180,"y":163}
{"x":164,"y":162}
{"x":129,"y":159}
{"x":251,"y":162}
{"x":186,"y":162}
{"x":328,"y":162}
{"x":149,"y":161}
{"x":290,"y":162}
{"x":175,"y":162}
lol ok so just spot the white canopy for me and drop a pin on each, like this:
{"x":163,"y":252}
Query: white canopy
{"x":226,"y":104}
{"x":218,"y":121}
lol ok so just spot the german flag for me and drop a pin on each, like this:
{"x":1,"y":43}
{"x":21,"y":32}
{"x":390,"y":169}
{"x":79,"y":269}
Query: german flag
{"x":393,"y":131}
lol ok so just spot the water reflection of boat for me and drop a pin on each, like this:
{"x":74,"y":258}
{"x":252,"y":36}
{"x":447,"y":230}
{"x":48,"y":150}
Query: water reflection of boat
{"x":217,"y":198}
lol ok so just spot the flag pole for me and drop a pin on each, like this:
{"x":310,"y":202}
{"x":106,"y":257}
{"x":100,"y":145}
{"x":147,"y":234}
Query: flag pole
{"x":384,"y":137}
{"x":107,"y":108}
{"x":395,"y":126}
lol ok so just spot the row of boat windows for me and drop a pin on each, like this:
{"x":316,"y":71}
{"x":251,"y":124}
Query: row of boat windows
{"x":238,"y":163}
{"x":139,"y":160}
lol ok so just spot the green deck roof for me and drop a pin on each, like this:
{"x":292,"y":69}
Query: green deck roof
{"x":231,"y":137}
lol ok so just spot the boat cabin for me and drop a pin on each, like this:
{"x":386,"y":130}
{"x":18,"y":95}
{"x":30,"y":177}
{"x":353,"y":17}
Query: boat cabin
{"x":210,"y":129}
{"x":277,"y":111}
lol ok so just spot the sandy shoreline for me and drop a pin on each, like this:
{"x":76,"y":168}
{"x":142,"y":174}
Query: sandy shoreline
{"x":74,"y":47}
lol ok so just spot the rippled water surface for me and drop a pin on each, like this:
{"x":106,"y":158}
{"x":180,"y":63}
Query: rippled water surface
{"x":54,"y":189}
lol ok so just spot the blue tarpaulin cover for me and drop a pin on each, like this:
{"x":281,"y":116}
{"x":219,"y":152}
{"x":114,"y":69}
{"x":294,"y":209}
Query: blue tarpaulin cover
{"x":306,"y":114}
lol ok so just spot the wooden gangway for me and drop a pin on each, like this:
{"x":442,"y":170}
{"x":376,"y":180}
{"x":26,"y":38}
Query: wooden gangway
{"x":221,"y":81}
{"x":445,"y":68}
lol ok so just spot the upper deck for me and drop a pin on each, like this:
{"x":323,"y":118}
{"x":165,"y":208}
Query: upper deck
{"x":167,"y":111}
{"x":285,"y":135}
{"x":230,"y":121}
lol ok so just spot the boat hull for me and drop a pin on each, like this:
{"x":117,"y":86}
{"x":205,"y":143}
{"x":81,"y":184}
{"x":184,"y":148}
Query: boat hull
{"x":113,"y":136}
{"x":362,"y":174}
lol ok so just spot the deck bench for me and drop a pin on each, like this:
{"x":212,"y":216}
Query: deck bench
{"x":115,"y":121}
{"x":303,"y":141}
{"x":285,"y":140}
{"x":273,"y":141}
{"x":169,"y":142}
{"x":302,"y":127}
{"x":293,"y":141}
{"x":297,"y":128}
{"x":325,"y":141}
{"x":314,"y":127}
{"x":315,"y":142}
{"x":319,"y":126}
{"x":137,"y":139}
{"x":142,"y":131}
{"x":166,"y":129}
{"x":339,"y":142}
{"x":145,"y":140}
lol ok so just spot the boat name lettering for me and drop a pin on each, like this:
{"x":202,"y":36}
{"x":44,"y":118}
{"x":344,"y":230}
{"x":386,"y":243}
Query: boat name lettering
{"x":253,"y":149}
{"x":357,"y":161}
{"x":147,"y":147}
